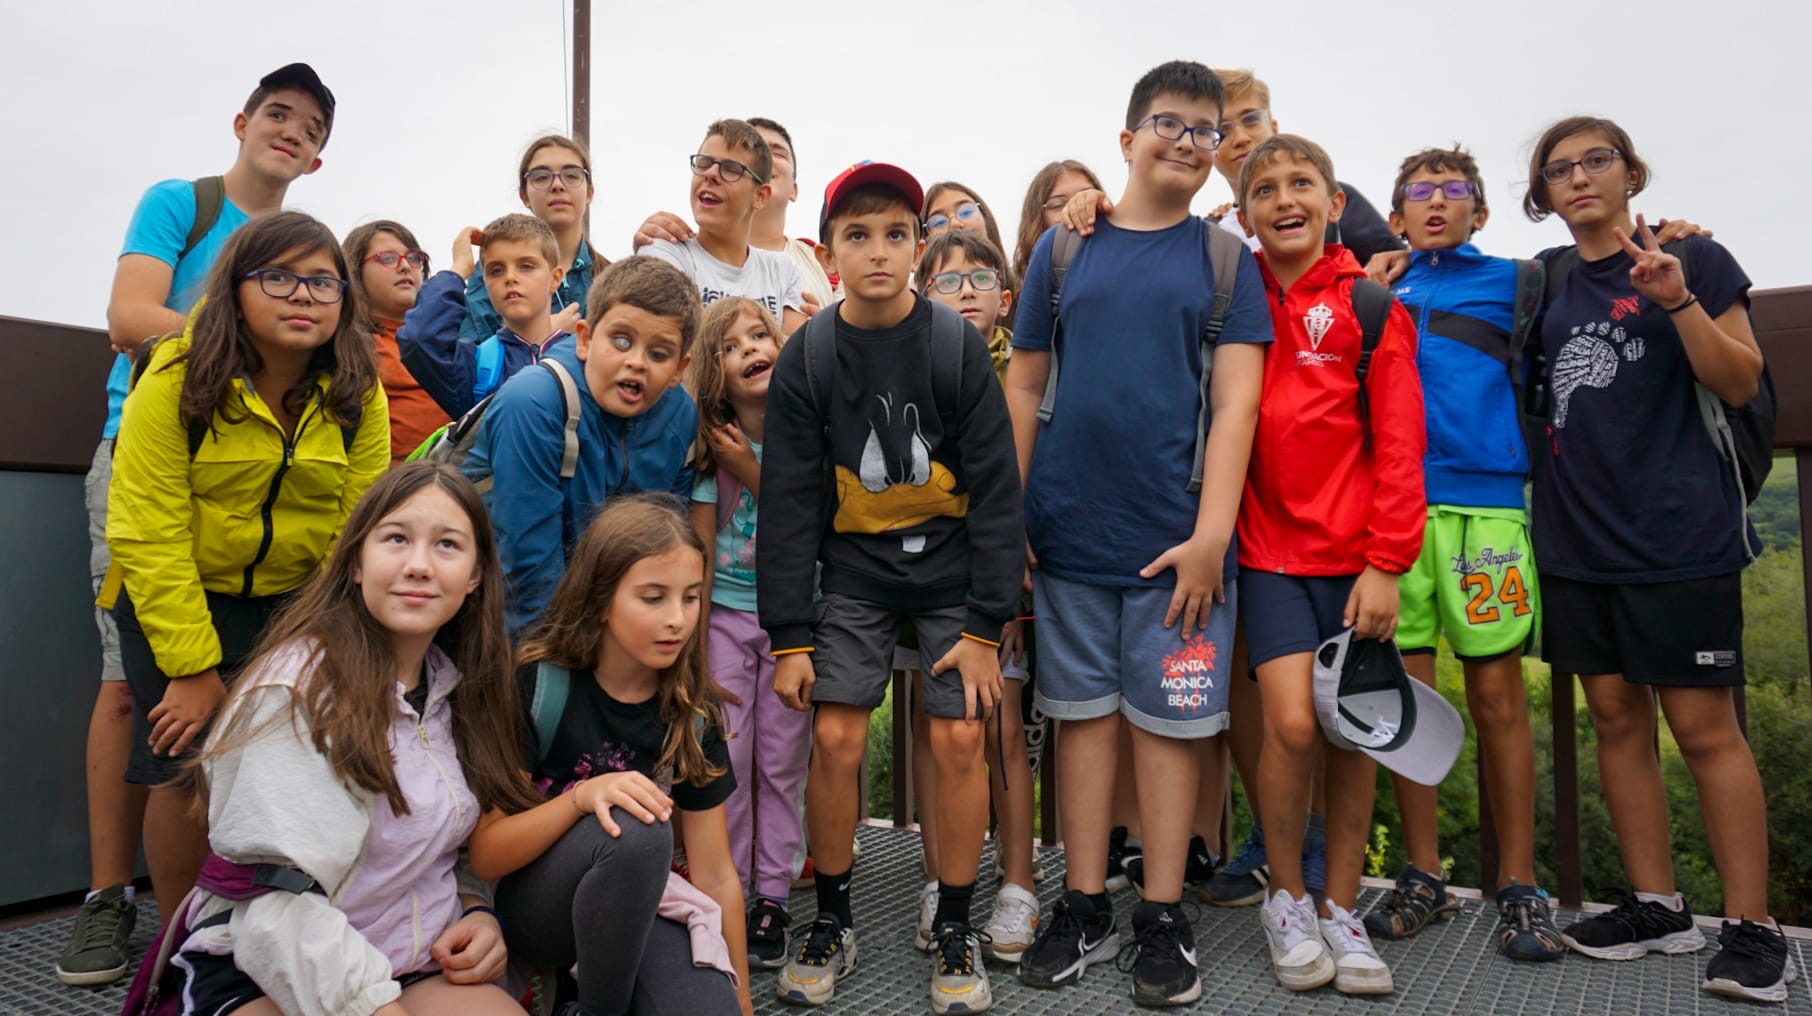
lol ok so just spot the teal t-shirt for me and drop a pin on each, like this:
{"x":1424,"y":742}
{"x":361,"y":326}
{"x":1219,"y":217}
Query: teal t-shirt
{"x":159,"y":227}
{"x":733,"y":555}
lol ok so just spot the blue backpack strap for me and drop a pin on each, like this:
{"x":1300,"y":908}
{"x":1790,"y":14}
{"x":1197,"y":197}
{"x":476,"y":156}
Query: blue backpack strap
{"x":552,"y":686}
{"x":489,"y":373}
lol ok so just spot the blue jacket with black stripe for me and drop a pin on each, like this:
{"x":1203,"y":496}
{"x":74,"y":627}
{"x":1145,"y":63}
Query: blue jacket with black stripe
{"x":1463,"y":302}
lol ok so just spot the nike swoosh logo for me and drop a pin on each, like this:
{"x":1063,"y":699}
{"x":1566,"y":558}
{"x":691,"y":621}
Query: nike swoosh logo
{"x":1189,"y":954}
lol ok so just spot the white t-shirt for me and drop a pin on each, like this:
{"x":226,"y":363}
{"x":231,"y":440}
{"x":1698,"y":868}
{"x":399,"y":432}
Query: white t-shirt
{"x":816,"y":282}
{"x":770,"y":278}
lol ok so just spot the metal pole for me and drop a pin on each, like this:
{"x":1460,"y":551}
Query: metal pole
{"x":582,"y":80}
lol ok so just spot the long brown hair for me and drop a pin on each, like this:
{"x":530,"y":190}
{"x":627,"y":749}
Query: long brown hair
{"x":572,"y":632}
{"x":705,"y":377}
{"x":350,"y":688}
{"x":1535,"y":201}
{"x":220,"y":350}
{"x":1031,"y":214}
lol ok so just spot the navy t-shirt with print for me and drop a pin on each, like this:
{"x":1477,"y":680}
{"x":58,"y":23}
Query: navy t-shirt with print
{"x":1107,"y":490}
{"x":598,"y":734}
{"x":1629,"y":487}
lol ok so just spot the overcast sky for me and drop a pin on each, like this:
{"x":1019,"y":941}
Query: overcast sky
{"x":436,"y":102}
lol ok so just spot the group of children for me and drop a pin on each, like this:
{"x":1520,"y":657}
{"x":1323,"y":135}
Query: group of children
{"x":548,"y":688}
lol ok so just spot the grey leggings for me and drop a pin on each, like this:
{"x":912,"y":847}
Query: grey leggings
{"x":591,"y":899}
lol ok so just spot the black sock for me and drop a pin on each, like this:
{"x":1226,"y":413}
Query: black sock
{"x":833,"y":896}
{"x":1104,"y":908}
{"x":953,"y":904}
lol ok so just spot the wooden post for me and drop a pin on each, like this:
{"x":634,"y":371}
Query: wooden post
{"x":582,"y":80}
{"x":1566,"y":793}
{"x":902,"y":750}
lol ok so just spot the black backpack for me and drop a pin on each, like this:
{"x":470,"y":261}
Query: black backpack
{"x":1744,"y":435}
{"x":819,"y":334}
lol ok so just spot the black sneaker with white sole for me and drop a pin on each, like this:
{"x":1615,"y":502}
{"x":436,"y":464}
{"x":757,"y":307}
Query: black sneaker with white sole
{"x":1633,"y":930}
{"x":1752,"y":963}
{"x":1161,"y":956}
{"x":1073,"y":938}
{"x":1116,"y":856}
{"x":1200,"y":870}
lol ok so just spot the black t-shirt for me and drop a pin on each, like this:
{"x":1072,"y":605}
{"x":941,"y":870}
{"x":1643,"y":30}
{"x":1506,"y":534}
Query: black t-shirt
{"x":1629,"y":487}
{"x":598,"y":734}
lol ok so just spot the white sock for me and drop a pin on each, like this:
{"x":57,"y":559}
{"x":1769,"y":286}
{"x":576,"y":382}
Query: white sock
{"x":131,"y":893}
{"x":1674,"y":902}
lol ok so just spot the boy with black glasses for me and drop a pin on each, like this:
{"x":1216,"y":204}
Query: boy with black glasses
{"x":1130,"y":508}
{"x":730,"y":174}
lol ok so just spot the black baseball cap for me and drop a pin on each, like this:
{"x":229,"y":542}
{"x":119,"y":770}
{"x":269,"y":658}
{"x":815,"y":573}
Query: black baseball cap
{"x":301,"y":75}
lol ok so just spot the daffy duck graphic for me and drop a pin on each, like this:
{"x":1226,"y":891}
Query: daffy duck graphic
{"x":897,"y":484}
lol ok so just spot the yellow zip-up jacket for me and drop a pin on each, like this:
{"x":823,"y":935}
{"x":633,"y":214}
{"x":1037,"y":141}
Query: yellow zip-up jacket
{"x":252,"y":513}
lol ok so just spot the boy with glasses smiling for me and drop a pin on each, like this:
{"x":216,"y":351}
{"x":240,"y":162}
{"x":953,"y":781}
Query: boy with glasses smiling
{"x":730,"y":174}
{"x":1134,"y":568}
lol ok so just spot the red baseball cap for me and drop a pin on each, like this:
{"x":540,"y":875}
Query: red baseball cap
{"x":866,"y":172}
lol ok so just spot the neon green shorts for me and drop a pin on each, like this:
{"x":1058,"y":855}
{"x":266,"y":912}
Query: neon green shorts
{"x":1475,"y":581}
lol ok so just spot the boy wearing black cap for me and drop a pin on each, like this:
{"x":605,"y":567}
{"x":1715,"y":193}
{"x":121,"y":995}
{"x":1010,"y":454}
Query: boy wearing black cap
{"x":889,"y":462}
{"x":176,"y":231}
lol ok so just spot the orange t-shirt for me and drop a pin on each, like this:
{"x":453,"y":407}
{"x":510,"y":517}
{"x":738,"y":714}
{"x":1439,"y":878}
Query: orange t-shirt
{"x":413,"y":412}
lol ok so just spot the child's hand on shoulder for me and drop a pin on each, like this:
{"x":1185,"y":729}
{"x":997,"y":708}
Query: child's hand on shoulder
{"x":1079,"y":214}
{"x":566,"y":319}
{"x":1371,"y":608}
{"x":793,"y":680}
{"x":465,"y":247}
{"x":1200,"y":585}
{"x":1387,"y":266}
{"x":633,"y":792}
{"x":979,"y":665}
{"x":661,"y":226}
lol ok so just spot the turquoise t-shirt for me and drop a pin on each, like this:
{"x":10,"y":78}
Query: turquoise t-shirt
{"x":733,"y":555}
{"x":159,"y":227}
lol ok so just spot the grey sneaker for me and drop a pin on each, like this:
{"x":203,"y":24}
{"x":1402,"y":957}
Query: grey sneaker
{"x":97,"y":947}
{"x":824,"y":953}
{"x":959,"y":983}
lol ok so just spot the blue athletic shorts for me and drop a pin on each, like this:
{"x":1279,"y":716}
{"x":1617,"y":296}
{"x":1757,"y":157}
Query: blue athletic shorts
{"x":1287,"y":614}
{"x":1105,"y":648}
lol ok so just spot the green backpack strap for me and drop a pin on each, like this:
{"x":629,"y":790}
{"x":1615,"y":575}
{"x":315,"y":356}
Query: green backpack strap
{"x":552,"y":686}
{"x":1223,"y":259}
{"x":210,"y":198}
{"x":1371,"y":305}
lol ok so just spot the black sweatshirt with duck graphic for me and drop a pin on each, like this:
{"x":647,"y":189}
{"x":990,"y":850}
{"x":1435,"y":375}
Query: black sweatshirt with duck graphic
{"x":905,"y":503}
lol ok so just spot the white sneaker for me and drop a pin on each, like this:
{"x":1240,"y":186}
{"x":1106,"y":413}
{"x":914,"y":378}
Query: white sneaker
{"x":1357,"y":968}
{"x":1299,"y":957}
{"x":927,"y":910}
{"x":1014,"y":924}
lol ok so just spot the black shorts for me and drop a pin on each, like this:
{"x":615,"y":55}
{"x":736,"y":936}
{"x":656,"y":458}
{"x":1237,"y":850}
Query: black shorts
{"x":238,"y":621}
{"x":852,"y":652}
{"x":1683,"y":634}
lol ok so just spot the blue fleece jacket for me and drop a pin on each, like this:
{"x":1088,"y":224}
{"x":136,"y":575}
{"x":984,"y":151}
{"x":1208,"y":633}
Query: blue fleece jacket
{"x":537,"y":516}
{"x":1463,"y":302}
{"x":442,"y":359}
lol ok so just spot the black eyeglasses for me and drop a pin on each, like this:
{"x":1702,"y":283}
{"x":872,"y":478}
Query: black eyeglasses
{"x":391,"y":259}
{"x":1422,"y":190}
{"x":983,"y":279}
{"x":729,"y":169}
{"x":1594,"y":162}
{"x":1171,"y":129}
{"x":573,"y":177}
{"x":280,"y":285}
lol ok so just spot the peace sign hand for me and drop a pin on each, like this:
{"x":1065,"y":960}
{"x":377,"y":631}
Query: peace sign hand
{"x":1656,"y":274}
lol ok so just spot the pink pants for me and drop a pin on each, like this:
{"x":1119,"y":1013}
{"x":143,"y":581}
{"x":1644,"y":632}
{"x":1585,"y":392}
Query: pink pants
{"x":769,"y":750}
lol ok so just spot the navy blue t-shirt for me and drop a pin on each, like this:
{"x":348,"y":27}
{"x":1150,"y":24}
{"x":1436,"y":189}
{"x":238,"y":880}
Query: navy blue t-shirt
{"x":1106,"y":494}
{"x":1629,"y":487}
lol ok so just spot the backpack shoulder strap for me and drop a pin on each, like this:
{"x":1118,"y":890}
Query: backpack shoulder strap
{"x":1371,"y":305}
{"x":569,"y":400}
{"x":489,"y":373}
{"x":552,"y":686}
{"x":1555,"y":268}
{"x":1064,"y":244}
{"x":1223,"y":262}
{"x":820,"y":339}
{"x":1531,"y":288}
{"x":946,"y":343}
{"x":210,"y":198}
{"x":729,"y":491}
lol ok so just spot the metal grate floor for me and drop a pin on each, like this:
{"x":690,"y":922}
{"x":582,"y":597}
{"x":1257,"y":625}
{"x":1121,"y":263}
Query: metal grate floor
{"x":1449,"y":968}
